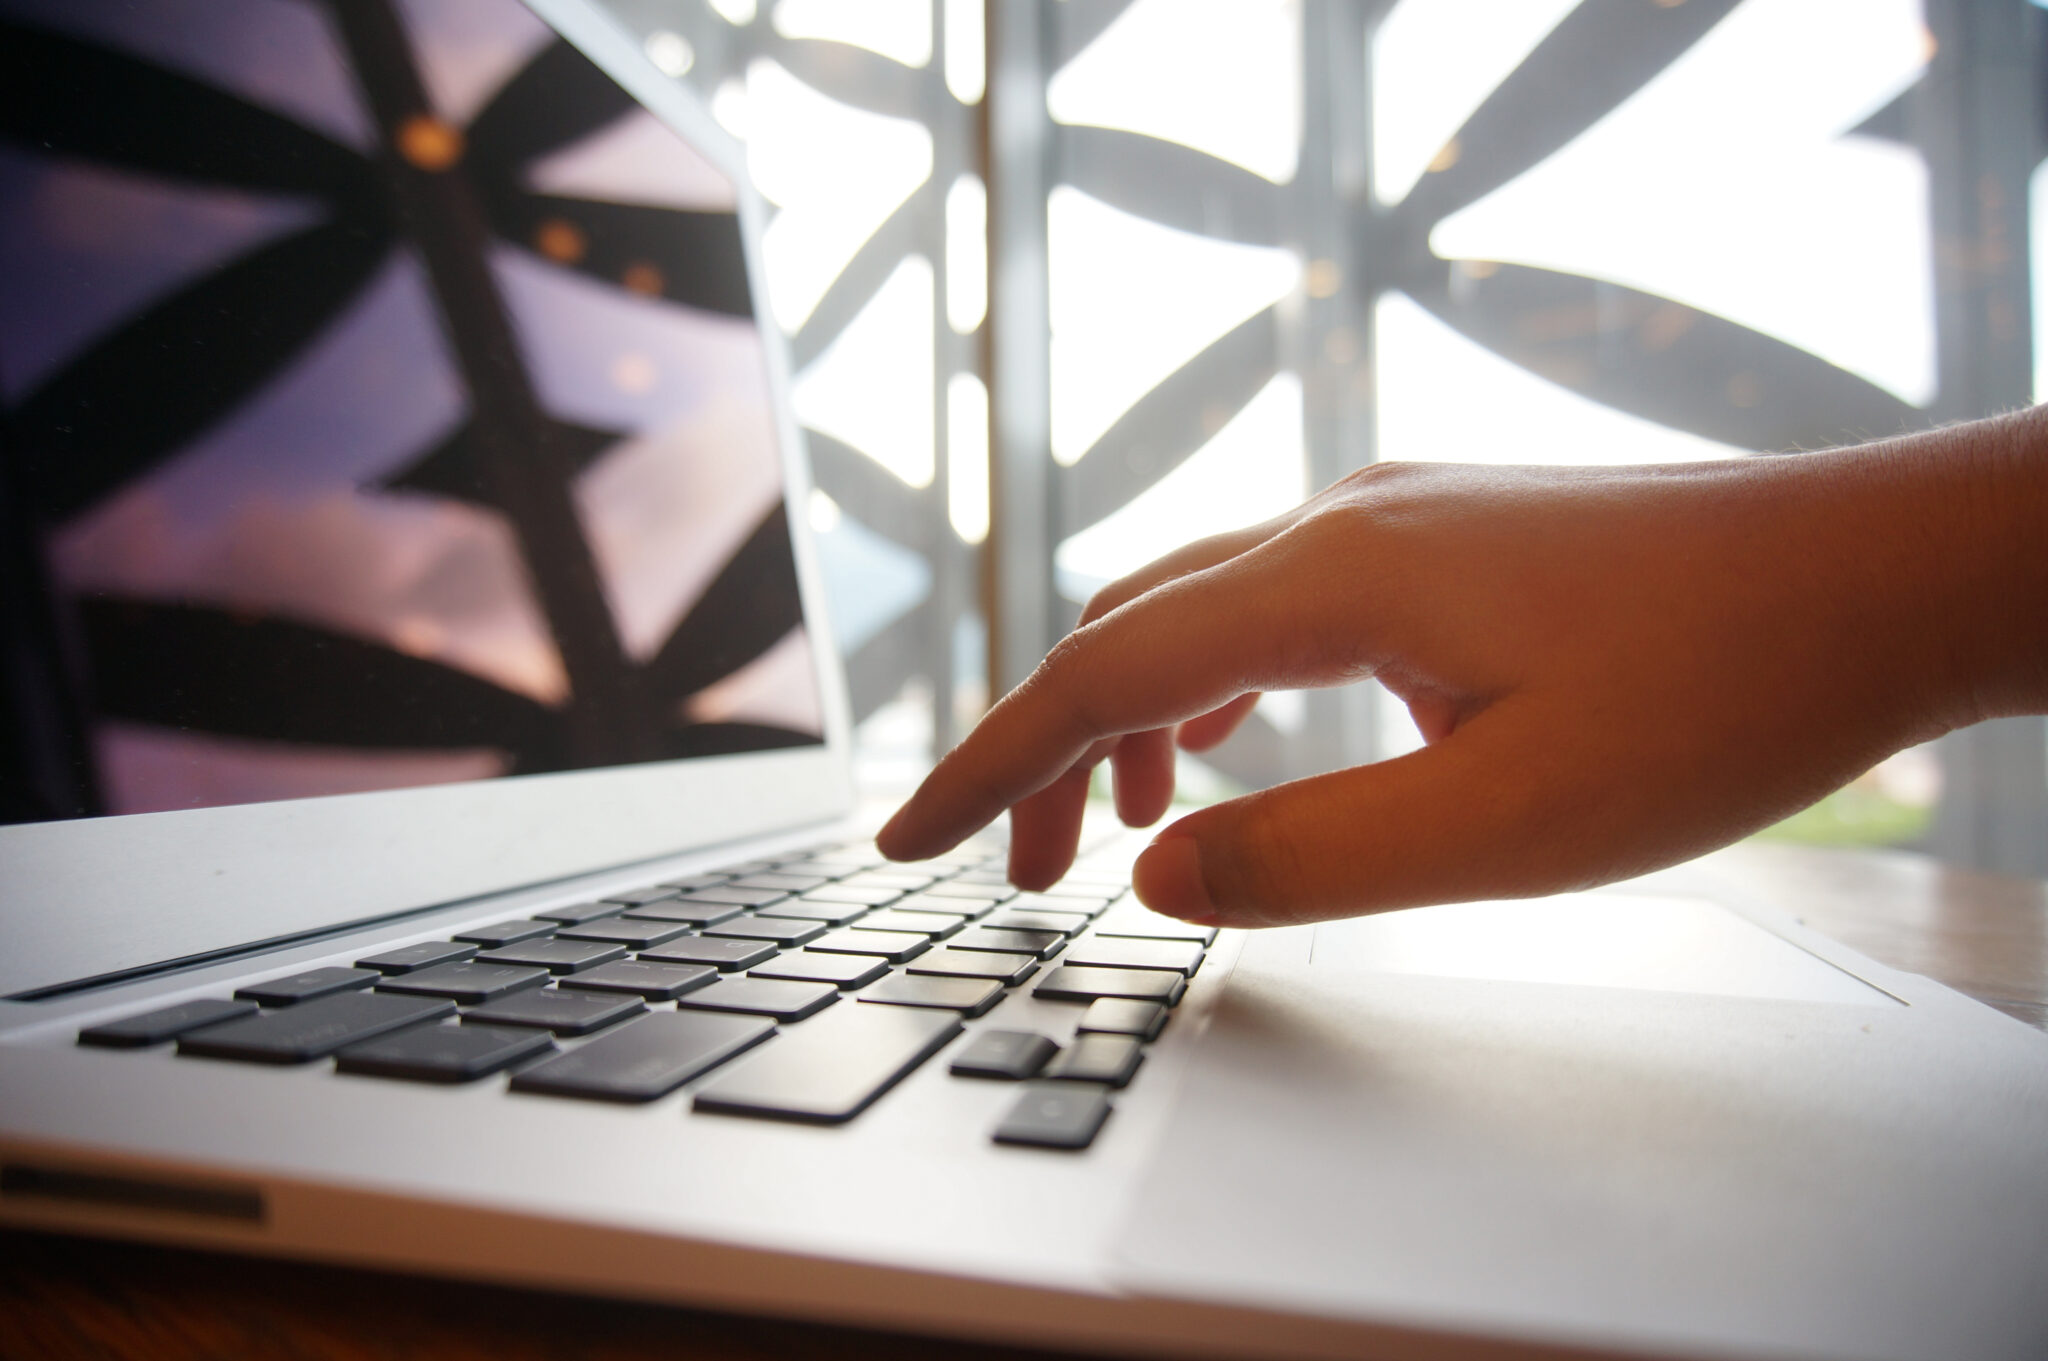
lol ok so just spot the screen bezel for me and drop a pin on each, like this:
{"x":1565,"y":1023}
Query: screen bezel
{"x":97,"y":897}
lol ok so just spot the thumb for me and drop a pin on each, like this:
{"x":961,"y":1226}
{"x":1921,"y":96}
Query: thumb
{"x":1491,"y":811}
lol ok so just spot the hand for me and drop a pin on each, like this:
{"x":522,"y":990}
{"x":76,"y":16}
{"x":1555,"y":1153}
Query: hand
{"x":1613,"y":670}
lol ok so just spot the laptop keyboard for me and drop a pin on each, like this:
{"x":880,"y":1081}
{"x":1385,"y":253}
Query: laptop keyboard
{"x":804,"y":986}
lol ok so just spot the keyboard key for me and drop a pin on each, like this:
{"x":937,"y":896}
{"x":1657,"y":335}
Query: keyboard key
{"x":783,"y":881}
{"x":1070,"y":983}
{"x":832,"y":1070}
{"x":1066,"y":923}
{"x":781,"y":930}
{"x":1044,"y":944}
{"x":1117,"y":952}
{"x":852,"y":895}
{"x":165,"y":1023}
{"x":1055,"y":1115}
{"x":973,"y":892}
{"x":970,"y":908}
{"x":1119,"y":1016}
{"x":1012,"y":1055}
{"x":723,"y":955}
{"x":735,"y":897}
{"x":902,"y":879}
{"x":304,"y":987}
{"x":1007,"y":969}
{"x":832,"y":914}
{"x":804,"y":966}
{"x":640,"y":897}
{"x":1108,"y":1059}
{"x":443,"y":1053}
{"x":894,"y":946}
{"x":467,"y":982}
{"x":507,"y":933}
{"x":565,"y":1013}
{"x":559,"y":955}
{"x":1096,"y":890}
{"x":1142,"y":923}
{"x":686,"y":882}
{"x":646,"y":1058}
{"x":578,"y":913}
{"x":313,"y":1030}
{"x":1050,"y":902}
{"x":968,"y":996}
{"x":656,"y":982}
{"x":782,"y":1000}
{"x":685,"y":912}
{"x":407,"y":958}
{"x":631,"y":932}
{"x":992,"y":877}
{"x":931,"y":925}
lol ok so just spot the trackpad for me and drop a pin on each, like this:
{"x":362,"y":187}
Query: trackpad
{"x":1601,"y":940}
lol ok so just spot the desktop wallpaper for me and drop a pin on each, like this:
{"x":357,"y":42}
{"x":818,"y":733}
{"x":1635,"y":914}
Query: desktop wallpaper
{"x":383,"y":405}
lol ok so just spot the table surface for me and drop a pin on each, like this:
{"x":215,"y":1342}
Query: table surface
{"x":1982,"y":935}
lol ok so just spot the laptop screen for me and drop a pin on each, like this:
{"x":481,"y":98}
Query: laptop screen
{"x":384,"y":405}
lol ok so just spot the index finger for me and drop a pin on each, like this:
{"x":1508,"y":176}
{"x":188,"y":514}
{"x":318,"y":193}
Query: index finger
{"x":1180,"y":650}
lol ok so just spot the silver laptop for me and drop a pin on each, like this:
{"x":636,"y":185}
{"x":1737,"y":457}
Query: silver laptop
{"x":436,"y":849}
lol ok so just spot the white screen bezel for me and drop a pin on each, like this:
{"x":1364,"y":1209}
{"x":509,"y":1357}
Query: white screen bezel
{"x":93,"y":897}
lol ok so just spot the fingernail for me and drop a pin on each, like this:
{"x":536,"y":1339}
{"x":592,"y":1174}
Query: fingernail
{"x":1168,"y":878}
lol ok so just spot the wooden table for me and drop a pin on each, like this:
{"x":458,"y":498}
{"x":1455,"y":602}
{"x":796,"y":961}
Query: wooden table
{"x":61,"y":1298}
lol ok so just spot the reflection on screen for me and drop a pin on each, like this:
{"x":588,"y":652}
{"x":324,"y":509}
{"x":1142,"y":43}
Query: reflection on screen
{"x":384,"y":406}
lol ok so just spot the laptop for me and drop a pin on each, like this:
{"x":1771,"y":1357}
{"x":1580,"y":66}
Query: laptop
{"x":431,"y":842}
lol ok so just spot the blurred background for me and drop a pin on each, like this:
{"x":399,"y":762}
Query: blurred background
{"x":1068,"y":282}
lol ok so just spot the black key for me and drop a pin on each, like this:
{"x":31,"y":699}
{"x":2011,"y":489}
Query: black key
{"x":1044,"y":944}
{"x":312,"y":1030}
{"x":832,"y":1070}
{"x":1013,"y":1055}
{"x":907,"y":881}
{"x":689,"y":881}
{"x":165,"y":1023}
{"x":762,"y":997}
{"x":1108,"y":1059}
{"x":931,"y":925}
{"x":656,"y":982}
{"x":686,"y":912}
{"x":630,"y":932}
{"x":804,"y":966}
{"x":468,"y":982}
{"x":1051,"y":902}
{"x":638,"y":897}
{"x":853,"y":896}
{"x":969,"y":908}
{"x":1142,"y":923}
{"x":894,"y":946}
{"x":648,"y":1058}
{"x":783,"y":881}
{"x":507,"y":933}
{"x":443,"y":1053}
{"x":425,"y":955}
{"x":1066,"y":923}
{"x":579,"y":913}
{"x":832,"y":914}
{"x":968,"y":996}
{"x":1115,"y":952}
{"x":560,"y":955}
{"x":724,"y":955}
{"x":1009,"y":970}
{"x":304,"y":987}
{"x":1120,"y":1016}
{"x":973,"y":892}
{"x":565,"y":1013}
{"x":1054,"y":1115}
{"x":1069,"y":983}
{"x":735,"y":897}
{"x":781,"y":930}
